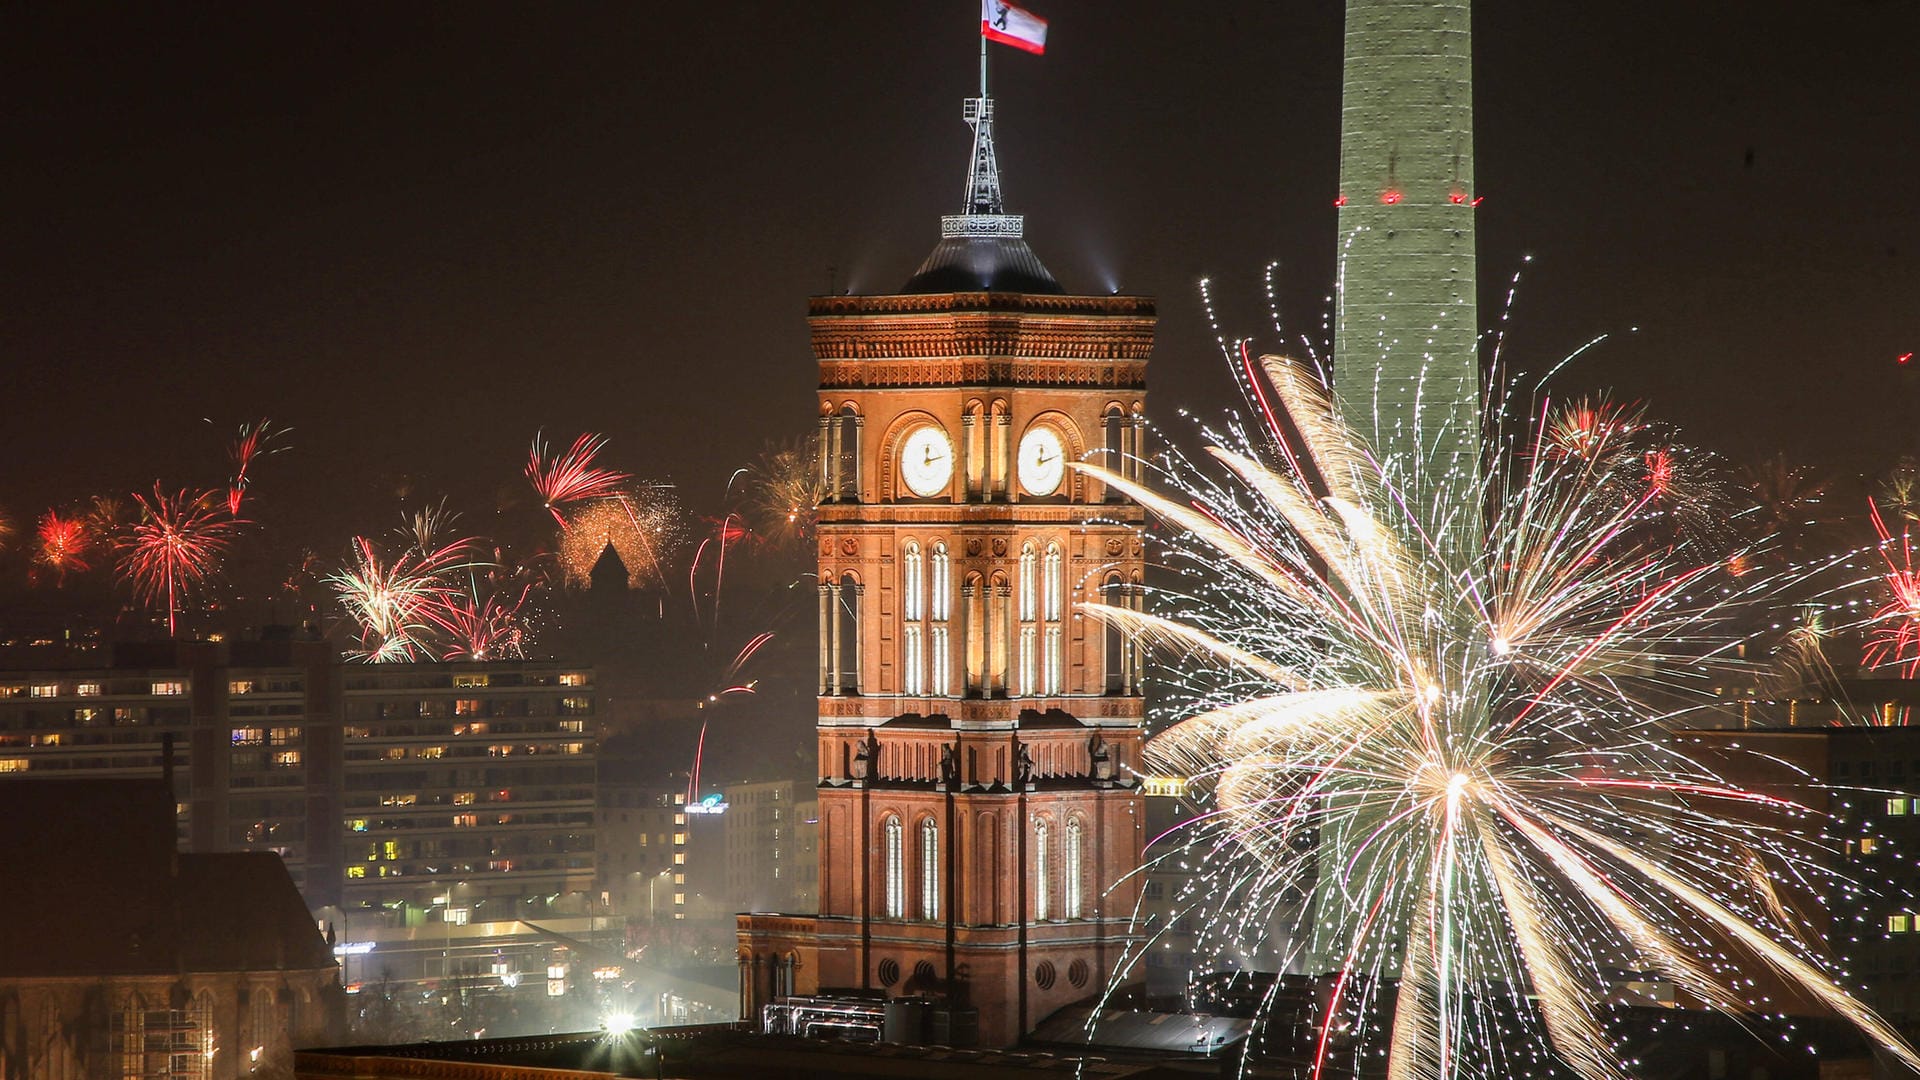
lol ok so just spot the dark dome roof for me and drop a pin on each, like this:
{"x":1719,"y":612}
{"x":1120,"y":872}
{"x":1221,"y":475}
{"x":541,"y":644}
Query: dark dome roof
{"x":982,"y":264}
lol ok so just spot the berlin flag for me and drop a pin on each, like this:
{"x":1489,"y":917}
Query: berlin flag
{"x":1009,"y":25}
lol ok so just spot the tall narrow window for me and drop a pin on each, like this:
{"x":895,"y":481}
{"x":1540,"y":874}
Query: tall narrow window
{"x":1070,"y":867}
{"x":896,"y":874}
{"x":929,"y":870}
{"x":847,"y":456}
{"x":844,"y":645}
{"x":913,"y":586}
{"x":1053,"y":576}
{"x":1040,"y":898}
{"x":1116,"y":457}
{"x":941,"y":608}
{"x":1029,"y":601}
{"x":1113,"y":638}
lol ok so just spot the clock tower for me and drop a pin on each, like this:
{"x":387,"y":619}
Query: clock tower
{"x":979,"y":726}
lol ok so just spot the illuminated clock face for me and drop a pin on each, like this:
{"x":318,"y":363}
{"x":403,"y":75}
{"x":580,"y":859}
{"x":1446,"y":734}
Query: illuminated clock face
{"x":926,"y":462}
{"x":1043,"y":462}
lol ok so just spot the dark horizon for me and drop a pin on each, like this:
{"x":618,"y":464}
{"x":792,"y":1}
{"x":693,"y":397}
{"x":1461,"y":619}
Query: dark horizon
{"x":416,"y":236}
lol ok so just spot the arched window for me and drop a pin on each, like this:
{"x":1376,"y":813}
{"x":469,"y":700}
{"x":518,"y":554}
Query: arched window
{"x":1116,"y":435}
{"x":1041,"y":900}
{"x":1053,"y":575}
{"x":1029,"y":610}
{"x":913,"y":585}
{"x":1070,"y":870}
{"x":941,"y":607}
{"x":929,"y":870}
{"x":844,"y":639}
{"x":896,"y":874}
{"x":846,"y":456}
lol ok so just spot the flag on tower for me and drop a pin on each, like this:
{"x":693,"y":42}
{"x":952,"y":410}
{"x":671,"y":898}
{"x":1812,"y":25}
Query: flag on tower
{"x":1015,"y":26}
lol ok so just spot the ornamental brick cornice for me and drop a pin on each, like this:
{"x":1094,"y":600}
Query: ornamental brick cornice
{"x":982,"y":325}
{"x":1141,"y":307}
{"x":939,"y":370}
{"x":968,"y":518}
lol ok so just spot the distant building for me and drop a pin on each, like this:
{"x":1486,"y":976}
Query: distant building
{"x":121,"y":959}
{"x":642,"y":855}
{"x":426,"y":811}
{"x":763,"y":849}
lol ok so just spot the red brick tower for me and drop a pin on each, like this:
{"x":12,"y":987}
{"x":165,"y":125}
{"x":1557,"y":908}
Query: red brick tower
{"x":978,"y":730}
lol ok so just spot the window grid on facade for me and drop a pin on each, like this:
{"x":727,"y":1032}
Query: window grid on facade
{"x":929,"y":870}
{"x":896,"y":877}
{"x":1040,"y":898}
{"x":913,"y":604}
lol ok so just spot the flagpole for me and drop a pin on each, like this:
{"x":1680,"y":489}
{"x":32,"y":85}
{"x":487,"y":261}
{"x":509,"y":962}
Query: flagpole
{"x":983,"y":63}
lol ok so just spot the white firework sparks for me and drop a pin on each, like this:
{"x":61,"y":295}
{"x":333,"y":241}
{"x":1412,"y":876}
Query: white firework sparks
{"x":1463,"y":759}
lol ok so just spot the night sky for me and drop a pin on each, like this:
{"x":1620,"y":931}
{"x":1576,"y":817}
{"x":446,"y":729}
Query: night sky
{"x":416,"y":233}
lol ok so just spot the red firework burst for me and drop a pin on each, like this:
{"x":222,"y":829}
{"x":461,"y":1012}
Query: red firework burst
{"x":572,"y":476}
{"x":1896,"y":625}
{"x":175,"y":546}
{"x":64,"y":543}
{"x":254,"y":441}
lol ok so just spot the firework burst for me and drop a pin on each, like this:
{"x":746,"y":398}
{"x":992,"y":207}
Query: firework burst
{"x":1895,"y":627}
{"x":398,"y":603}
{"x":174,"y":546}
{"x":64,"y":543}
{"x":572,"y":477}
{"x":254,"y":441}
{"x":644,"y":524}
{"x":1454,"y":772}
{"x":784,"y":489}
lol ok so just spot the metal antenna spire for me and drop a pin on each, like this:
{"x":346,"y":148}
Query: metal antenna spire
{"x":984,"y":214}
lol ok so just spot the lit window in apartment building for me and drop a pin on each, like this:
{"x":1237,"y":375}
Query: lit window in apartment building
{"x":468,"y":707}
{"x":284,"y":736}
{"x":679,"y":838}
{"x":396,"y":753}
{"x":13,"y":765}
{"x":1868,"y":845}
{"x":53,"y":689}
{"x":573,"y":678}
{"x":574,"y":727}
{"x":464,"y":681}
{"x":240,"y":686}
{"x":475,"y":727}
{"x":89,"y":717}
{"x":679,"y":858}
{"x":87,"y":689}
{"x":358,"y":824}
{"x":431,"y":752}
{"x":1896,"y":806}
{"x":576,"y":706}
{"x":10,"y":691}
{"x":679,"y":898}
{"x":1899,"y":924}
{"x":679,"y":819}
{"x":463,"y":821}
{"x":287,"y":759}
{"x":398,"y":800}
{"x":169,"y":689}
{"x":249,"y":736}
{"x":679,"y":879}
{"x":356,"y":871}
{"x":463,"y":798}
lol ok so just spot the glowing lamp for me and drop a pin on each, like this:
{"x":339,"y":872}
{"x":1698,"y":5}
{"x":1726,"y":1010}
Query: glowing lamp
{"x":1340,"y":200}
{"x":1390,"y":196}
